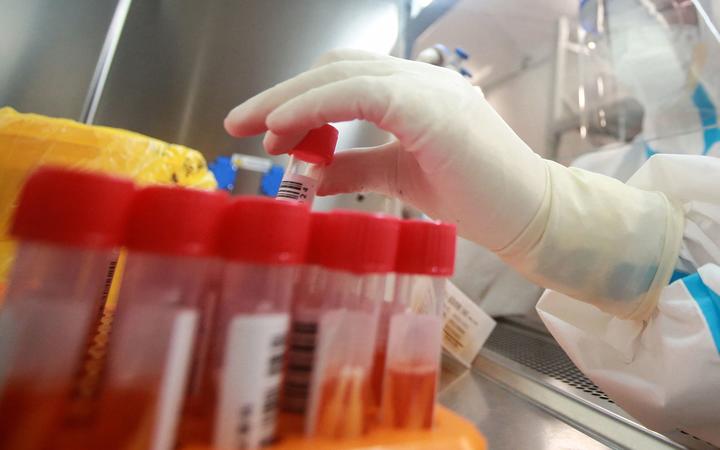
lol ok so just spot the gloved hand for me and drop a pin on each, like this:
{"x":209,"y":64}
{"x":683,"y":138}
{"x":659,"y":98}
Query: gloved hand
{"x":583,"y":234}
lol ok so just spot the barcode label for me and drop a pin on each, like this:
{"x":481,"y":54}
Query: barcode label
{"x":297,"y":188}
{"x":301,"y":352}
{"x":246,"y":415}
{"x":453,"y":333}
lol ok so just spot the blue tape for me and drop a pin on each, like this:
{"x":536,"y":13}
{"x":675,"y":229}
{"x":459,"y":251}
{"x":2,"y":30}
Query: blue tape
{"x":709,"y":303}
{"x":676,"y":275}
{"x":708,"y":117}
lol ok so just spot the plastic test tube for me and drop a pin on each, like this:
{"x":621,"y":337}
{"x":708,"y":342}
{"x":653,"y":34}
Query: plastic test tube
{"x":307,"y":165}
{"x":358,"y":254}
{"x":170,"y":240}
{"x":67,"y":224}
{"x":263,"y":242}
{"x":307,"y":306}
{"x":425,"y":258}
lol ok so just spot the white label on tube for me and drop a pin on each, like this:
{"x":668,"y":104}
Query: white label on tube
{"x":172,"y":387}
{"x":466,"y":327}
{"x":298,"y":188}
{"x":250,"y":382}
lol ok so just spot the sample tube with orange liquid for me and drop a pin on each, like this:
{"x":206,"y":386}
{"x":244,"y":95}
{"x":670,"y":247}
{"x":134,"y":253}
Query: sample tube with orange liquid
{"x":170,"y":240}
{"x":68,"y":224}
{"x":358,"y":253}
{"x":307,"y":306}
{"x":263,"y":242}
{"x":425,"y":258}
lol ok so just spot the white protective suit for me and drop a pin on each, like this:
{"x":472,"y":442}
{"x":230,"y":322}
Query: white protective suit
{"x":664,"y":371}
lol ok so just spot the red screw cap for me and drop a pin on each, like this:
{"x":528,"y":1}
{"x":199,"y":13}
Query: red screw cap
{"x":316,"y":240}
{"x":356,"y":242}
{"x":318,"y":146}
{"x":174,"y":221}
{"x":426,"y":248}
{"x":72,"y":207}
{"x":264,"y":231}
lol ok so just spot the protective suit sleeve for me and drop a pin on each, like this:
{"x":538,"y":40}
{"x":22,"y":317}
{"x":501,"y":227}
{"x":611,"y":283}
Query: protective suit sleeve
{"x":664,"y":371}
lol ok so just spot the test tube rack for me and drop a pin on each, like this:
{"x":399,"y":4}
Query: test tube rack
{"x":450,"y":432}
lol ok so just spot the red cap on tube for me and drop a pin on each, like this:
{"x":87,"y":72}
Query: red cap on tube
{"x":174,"y":221}
{"x":72,"y":207}
{"x":426,"y":248}
{"x":318,"y":146}
{"x":357,"y":242}
{"x":316,"y":240}
{"x":264,"y":231}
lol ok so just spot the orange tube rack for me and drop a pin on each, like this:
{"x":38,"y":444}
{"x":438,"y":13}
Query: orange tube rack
{"x":451,"y":432}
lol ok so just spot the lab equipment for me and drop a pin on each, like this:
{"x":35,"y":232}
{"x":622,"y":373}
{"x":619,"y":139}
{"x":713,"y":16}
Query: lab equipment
{"x":411,"y":355}
{"x":263,"y":241}
{"x":358,"y":253}
{"x":307,"y":163}
{"x":456,"y":60}
{"x":69,"y":224}
{"x":440,"y":55}
{"x":531,"y":212}
{"x":170,"y":240}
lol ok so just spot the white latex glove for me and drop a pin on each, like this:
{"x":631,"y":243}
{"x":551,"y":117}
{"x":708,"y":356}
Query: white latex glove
{"x":582,"y":234}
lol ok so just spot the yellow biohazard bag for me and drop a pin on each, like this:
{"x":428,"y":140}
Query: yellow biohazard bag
{"x":30,"y":140}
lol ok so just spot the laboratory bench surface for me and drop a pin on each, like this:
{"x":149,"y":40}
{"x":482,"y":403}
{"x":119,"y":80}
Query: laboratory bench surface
{"x":522,"y":392}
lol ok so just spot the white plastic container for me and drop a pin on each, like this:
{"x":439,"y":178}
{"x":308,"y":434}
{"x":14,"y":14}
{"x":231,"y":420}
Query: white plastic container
{"x":307,"y":163}
{"x":68,"y":224}
{"x":358,"y":254}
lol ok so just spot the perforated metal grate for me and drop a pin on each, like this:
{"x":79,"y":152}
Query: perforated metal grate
{"x":542,"y":356}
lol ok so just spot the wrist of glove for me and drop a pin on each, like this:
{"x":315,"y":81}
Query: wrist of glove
{"x":600,"y":241}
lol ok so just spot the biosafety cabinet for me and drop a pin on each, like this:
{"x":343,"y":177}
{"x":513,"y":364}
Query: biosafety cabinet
{"x":172,"y":69}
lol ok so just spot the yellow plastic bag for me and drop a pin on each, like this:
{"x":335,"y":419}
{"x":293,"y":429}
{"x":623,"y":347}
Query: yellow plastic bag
{"x":30,"y":140}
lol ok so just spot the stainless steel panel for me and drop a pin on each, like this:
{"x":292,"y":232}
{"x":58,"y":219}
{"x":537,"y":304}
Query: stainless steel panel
{"x":532,"y":365}
{"x":48,"y":52}
{"x":507,"y":420}
{"x":181,"y":65}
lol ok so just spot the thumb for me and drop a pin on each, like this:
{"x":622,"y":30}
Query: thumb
{"x":362,"y":170}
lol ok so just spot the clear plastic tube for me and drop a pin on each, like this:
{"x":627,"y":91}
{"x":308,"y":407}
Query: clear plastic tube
{"x":307,"y":163}
{"x":341,"y":399}
{"x":413,"y":352}
{"x":52,"y":299}
{"x":300,"y":181}
{"x":156,"y":324}
{"x":246,"y":355}
{"x":307,"y":308}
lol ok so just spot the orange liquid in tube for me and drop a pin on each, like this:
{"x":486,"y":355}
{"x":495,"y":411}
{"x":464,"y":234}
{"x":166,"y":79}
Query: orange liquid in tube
{"x":409,"y":396}
{"x":378,"y":374}
{"x":68,"y":224}
{"x":346,"y":405}
{"x":358,"y":253}
{"x":27,"y":409}
{"x":425,"y":257}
